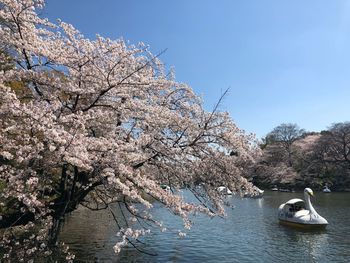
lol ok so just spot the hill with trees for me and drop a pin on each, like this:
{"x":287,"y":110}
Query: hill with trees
{"x":293,"y":158}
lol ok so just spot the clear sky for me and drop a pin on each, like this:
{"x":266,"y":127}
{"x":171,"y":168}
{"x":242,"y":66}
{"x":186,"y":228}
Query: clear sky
{"x":284,"y":61}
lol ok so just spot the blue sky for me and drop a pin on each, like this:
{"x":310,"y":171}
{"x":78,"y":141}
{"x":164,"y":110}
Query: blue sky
{"x":284,"y":61}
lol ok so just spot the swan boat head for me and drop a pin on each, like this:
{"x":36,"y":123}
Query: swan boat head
{"x":308,"y":191}
{"x":298,"y":212}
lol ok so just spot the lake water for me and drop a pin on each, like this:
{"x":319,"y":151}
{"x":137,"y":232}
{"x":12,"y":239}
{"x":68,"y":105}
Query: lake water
{"x":249,"y":233}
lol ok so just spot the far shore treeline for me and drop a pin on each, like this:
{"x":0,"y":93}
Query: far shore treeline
{"x":293,"y":158}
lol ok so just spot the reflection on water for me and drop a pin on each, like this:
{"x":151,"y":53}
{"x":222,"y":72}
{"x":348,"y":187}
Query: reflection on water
{"x":312,"y":242}
{"x":250,"y":233}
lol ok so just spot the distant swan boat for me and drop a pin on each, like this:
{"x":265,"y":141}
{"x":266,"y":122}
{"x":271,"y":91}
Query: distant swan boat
{"x":298,"y":213}
{"x":224,"y":190}
{"x":274,"y":188}
{"x":326,"y":189}
{"x":256,"y":193}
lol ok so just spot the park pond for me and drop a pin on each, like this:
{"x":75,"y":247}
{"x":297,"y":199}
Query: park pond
{"x":249,"y":233}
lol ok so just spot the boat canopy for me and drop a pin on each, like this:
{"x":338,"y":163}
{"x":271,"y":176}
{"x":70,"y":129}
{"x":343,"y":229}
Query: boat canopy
{"x":295,"y":201}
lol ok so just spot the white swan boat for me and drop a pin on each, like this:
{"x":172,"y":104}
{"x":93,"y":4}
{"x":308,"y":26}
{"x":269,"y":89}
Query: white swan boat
{"x":256,"y":193}
{"x":224,"y":190}
{"x":165,"y":187}
{"x":274,"y":188}
{"x":326,"y":189}
{"x":300,"y":213}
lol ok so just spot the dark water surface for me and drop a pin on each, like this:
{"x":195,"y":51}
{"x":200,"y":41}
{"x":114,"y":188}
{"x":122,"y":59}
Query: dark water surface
{"x":249,"y":233}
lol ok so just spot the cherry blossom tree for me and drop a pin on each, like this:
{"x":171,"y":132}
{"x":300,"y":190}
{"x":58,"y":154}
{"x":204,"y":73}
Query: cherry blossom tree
{"x":99,"y":122}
